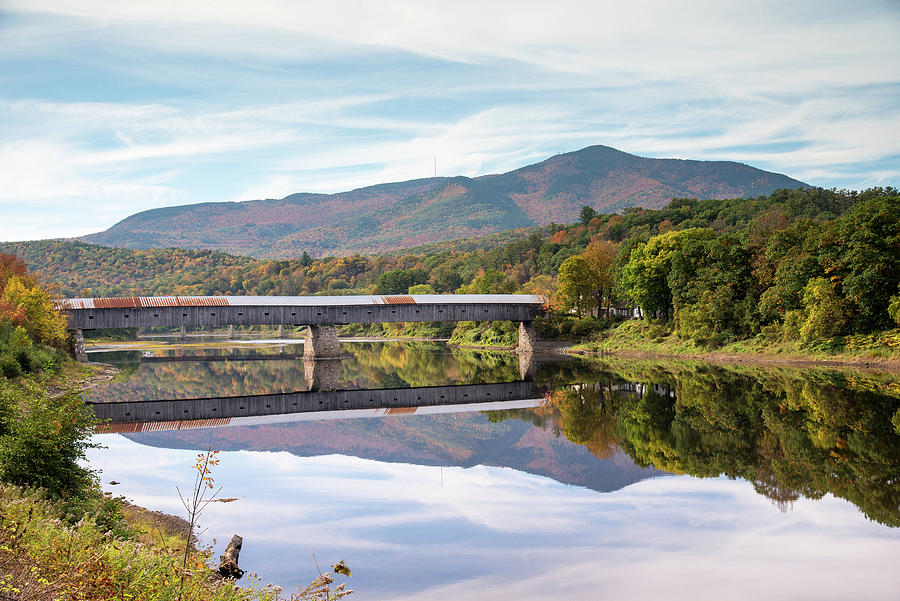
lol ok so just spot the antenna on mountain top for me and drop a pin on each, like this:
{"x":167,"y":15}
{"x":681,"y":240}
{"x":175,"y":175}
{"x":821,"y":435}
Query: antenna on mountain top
{"x":435,"y":166}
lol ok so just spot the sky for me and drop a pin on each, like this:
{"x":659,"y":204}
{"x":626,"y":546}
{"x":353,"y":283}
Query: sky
{"x":110,"y":108}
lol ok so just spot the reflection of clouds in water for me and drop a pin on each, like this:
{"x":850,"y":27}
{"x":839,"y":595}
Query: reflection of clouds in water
{"x":499,"y":533}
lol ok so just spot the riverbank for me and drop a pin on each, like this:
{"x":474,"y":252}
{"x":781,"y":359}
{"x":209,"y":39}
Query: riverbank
{"x":647,"y":340}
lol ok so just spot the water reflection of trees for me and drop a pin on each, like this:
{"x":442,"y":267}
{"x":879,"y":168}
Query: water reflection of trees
{"x":791,"y":433}
{"x":366,"y":365}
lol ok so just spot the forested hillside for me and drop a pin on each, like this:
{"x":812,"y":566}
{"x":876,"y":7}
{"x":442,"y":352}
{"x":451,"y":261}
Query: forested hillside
{"x":801,"y":264}
{"x":405,"y":214}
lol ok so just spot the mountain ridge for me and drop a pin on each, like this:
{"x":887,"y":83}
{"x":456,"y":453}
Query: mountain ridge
{"x":394,"y":215}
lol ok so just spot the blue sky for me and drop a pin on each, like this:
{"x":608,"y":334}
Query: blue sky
{"x":109,"y":108}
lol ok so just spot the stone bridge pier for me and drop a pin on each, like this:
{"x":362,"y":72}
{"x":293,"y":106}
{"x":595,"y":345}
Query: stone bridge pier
{"x":527,"y":337}
{"x":80,"y":354}
{"x":321,"y":342}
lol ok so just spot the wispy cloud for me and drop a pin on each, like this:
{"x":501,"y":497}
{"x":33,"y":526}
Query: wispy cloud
{"x":107,"y":109}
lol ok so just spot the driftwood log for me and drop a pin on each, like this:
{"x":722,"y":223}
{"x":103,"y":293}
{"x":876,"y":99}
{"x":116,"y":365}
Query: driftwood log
{"x":228,"y":561}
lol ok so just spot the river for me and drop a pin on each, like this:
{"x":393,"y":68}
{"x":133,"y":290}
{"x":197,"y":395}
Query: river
{"x":618,"y":479}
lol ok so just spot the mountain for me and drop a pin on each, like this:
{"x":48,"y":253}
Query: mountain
{"x":610,"y":180}
{"x":403,"y":214}
{"x":464,"y":439}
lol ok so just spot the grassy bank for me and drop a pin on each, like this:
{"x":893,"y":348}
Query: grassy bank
{"x":647,"y":337}
{"x":103,"y":555}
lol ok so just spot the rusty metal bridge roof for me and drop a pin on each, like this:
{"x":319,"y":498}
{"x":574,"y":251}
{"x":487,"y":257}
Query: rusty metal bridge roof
{"x":129,"y":302}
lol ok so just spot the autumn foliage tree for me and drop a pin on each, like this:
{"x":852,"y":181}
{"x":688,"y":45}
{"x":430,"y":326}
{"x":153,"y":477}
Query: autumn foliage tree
{"x":30,"y":325}
{"x":600,"y":255}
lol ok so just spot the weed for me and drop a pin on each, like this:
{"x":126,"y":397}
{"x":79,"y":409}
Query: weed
{"x":202,"y":495}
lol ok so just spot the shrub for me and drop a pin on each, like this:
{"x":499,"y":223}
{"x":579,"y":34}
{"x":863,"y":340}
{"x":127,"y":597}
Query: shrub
{"x":894,"y":308}
{"x":570,"y":327}
{"x":43,"y":438}
{"x":825,"y":311}
{"x":486,"y":333}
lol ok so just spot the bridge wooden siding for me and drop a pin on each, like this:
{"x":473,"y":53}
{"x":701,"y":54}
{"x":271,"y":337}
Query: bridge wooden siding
{"x":176,"y":311}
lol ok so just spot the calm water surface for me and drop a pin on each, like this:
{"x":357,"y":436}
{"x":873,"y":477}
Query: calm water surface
{"x":627,"y":479}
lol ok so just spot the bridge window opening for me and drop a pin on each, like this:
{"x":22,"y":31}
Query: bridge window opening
{"x":127,"y":413}
{"x":184,"y":314}
{"x":417,"y":310}
{"x":465,"y":396}
{"x":369,"y":312}
{"x":345,"y":312}
{"x":213,"y":314}
{"x":489,"y":394}
{"x":293,"y":315}
{"x":418,"y":398}
{"x":347,"y":401}
{"x":268,"y":406}
{"x":393,"y":311}
{"x":214,"y":408}
{"x":440,"y":310}
{"x":241,"y":407}
{"x":240,"y":313}
{"x":157,"y":413}
{"x":156,"y":315}
{"x":320,"y":402}
{"x":126,"y":317}
{"x":442,"y":396}
{"x":318,"y":314}
{"x":186,"y":411}
{"x":295,"y":404}
{"x":90,"y":317}
{"x":267,"y":314}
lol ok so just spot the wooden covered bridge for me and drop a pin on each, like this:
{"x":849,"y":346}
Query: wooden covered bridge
{"x":319,"y":313}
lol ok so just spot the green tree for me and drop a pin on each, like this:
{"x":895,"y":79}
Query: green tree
{"x":790,"y":257}
{"x":586,"y":215}
{"x":490,"y":282}
{"x":421,"y":289}
{"x":860,"y":252}
{"x":576,"y":285}
{"x":713,"y":289}
{"x":826,"y":316}
{"x":644,"y":278}
{"x":894,"y":308}
{"x":400,"y":280}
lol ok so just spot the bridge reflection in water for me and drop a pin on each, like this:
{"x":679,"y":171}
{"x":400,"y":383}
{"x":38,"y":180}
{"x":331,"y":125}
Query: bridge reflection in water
{"x":144,"y":416}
